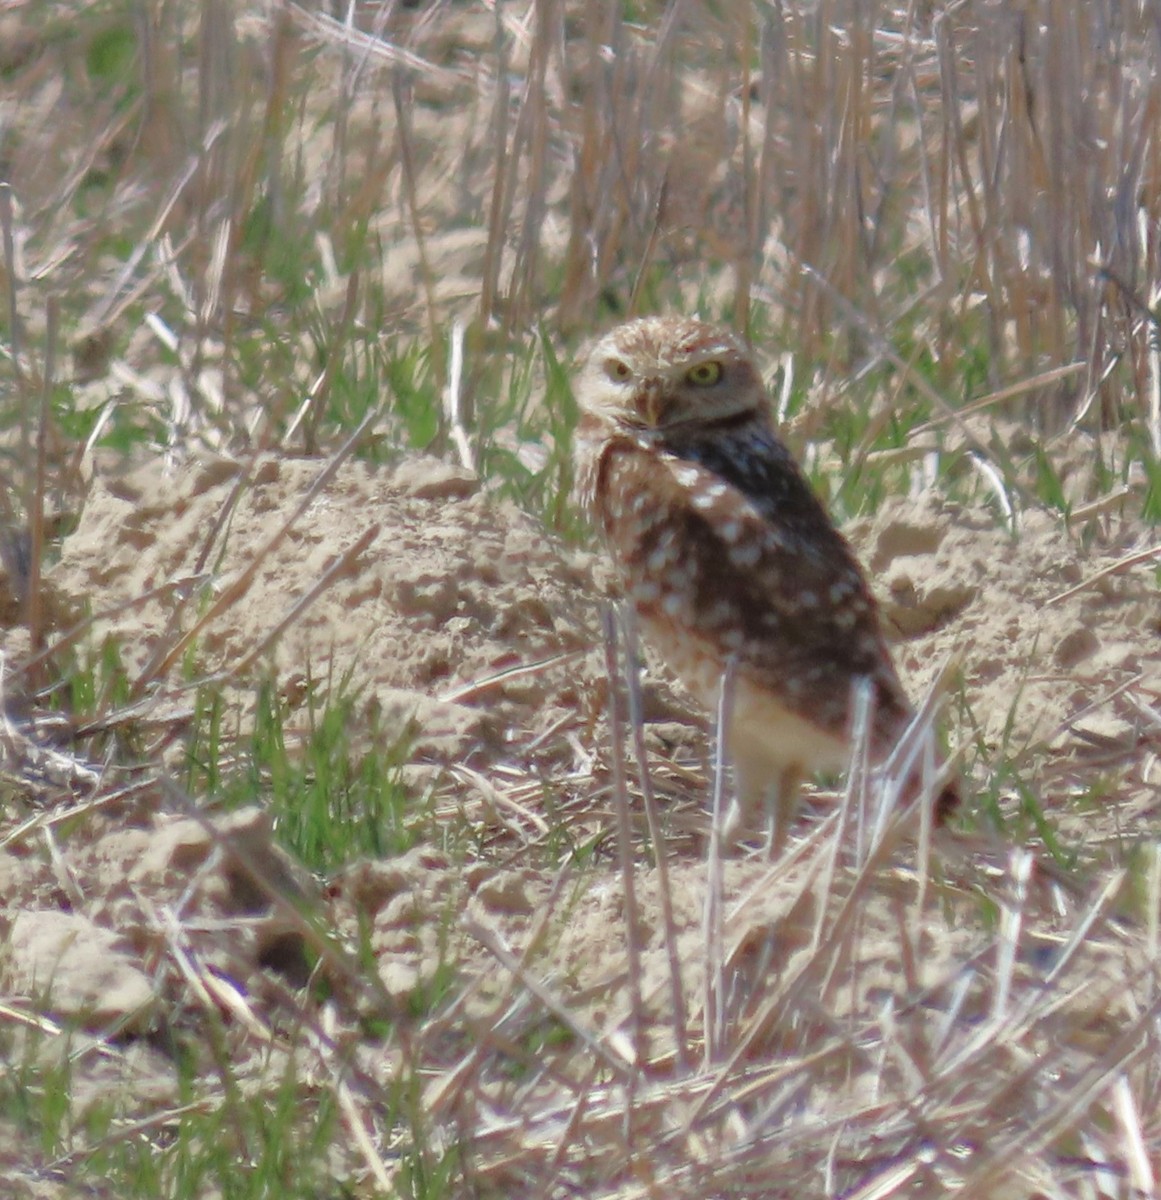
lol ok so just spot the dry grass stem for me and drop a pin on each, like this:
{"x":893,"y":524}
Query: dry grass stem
{"x":609,"y":627}
{"x":656,"y":837}
{"x":714,"y":1005}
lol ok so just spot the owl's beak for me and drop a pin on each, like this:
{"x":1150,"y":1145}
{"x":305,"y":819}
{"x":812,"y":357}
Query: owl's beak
{"x":651,"y":402}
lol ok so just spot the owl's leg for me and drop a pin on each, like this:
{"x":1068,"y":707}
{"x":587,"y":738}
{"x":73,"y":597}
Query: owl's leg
{"x":771,"y":797}
{"x":781,"y":805}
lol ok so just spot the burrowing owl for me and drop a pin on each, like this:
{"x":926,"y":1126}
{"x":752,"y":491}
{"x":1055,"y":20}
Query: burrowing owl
{"x":726,"y":553}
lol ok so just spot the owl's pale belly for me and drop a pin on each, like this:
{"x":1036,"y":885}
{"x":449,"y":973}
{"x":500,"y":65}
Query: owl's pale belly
{"x":765,"y":737}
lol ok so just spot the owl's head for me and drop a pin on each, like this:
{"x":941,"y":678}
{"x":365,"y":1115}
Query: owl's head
{"x":660,"y":373}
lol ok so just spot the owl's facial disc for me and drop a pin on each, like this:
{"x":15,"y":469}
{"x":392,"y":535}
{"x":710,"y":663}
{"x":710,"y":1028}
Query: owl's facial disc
{"x":650,"y":378}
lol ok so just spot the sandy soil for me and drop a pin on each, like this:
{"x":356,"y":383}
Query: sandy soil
{"x":462,"y":616}
{"x":464,"y":622}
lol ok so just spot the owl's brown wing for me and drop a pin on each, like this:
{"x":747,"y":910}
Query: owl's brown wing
{"x":723,"y":536}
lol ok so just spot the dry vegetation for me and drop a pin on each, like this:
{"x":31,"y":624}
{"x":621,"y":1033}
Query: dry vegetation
{"x":321,"y":874}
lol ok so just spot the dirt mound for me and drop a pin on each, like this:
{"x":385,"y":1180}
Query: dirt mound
{"x":1057,"y":644}
{"x":464,"y":621}
{"x":429,"y":623}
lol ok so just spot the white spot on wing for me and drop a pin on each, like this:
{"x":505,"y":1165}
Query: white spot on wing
{"x":721,"y":612}
{"x":659,"y":558}
{"x":646,"y":592}
{"x":746,"y":554}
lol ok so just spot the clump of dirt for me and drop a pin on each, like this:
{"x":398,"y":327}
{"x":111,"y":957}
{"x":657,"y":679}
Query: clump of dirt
{"x":84,"y":930}
{"x":1057,"y":646}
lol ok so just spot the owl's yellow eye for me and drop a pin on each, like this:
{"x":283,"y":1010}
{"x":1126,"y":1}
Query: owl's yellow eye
{"x":616,"y":370}
{"x":705,"y":374}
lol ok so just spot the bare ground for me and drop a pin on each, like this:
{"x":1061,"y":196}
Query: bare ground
{"x":466,"y":626}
